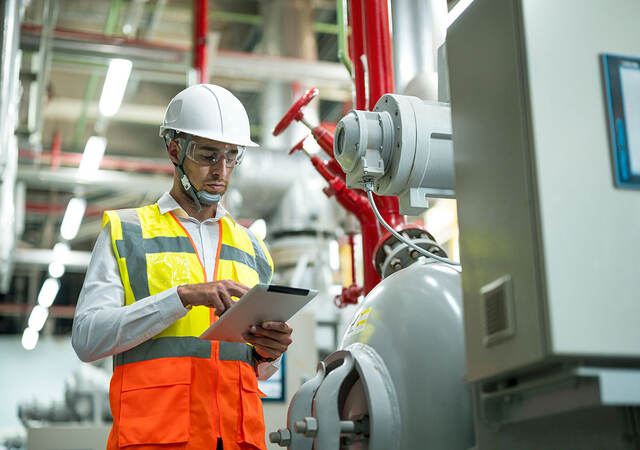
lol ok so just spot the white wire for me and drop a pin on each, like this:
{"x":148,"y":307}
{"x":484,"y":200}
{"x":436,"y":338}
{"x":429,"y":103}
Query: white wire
{"x":368,"y":188}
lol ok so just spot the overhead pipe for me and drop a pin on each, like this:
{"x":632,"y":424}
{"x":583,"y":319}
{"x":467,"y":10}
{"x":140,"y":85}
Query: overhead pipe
{"x":56,"y":157}
{"x":174,"y":61}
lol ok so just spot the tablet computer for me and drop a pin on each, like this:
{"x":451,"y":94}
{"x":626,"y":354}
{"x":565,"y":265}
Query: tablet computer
{"x":263,"y":302}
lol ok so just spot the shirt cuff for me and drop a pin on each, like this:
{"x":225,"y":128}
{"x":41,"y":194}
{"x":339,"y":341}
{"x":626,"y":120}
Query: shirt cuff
{"x":265,"y":370}
{"x":170,"y":305}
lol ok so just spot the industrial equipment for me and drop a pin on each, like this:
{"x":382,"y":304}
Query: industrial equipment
{"x":552,"y":342}
{"x":549,"y":240}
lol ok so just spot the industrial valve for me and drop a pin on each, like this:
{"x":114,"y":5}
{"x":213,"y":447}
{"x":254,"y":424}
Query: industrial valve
{"x":321,"y":134}
{"x":403,"y":147}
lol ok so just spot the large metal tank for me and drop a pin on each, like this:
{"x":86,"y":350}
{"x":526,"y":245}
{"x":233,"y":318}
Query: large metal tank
{"x":397,"y":381}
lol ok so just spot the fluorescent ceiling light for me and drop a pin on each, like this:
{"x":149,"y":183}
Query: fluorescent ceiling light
{"x":73,"y":218}
{"x":56,"y":269}
{"x":38,"y":317}
{"x":114,"y":85}
{"x":457,"y":10}
{"x":60,"y":250}
{"x":93,"y":152}
{"x":29,"y":338}
{"x":259,"y":227}
{"x":48,"y":292}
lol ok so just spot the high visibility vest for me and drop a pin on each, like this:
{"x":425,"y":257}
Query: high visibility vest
{"x":175,"y":389}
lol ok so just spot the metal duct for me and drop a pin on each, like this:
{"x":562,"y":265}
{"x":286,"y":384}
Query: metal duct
{"x":288,"y":32}
{"x":419,"y":28}
{"x":9,"y":70}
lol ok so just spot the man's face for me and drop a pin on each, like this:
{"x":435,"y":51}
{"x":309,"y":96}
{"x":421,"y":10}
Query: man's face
{"x":207,"y":164}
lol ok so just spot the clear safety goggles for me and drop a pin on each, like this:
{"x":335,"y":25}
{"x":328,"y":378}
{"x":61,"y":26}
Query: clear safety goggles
{"x":207,"y":155}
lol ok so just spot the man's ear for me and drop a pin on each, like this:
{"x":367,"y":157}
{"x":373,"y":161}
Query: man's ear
{"x":174,"y":151}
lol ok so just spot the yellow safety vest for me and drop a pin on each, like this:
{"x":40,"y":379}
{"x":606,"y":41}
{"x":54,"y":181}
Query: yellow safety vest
{"x":176,"y":388}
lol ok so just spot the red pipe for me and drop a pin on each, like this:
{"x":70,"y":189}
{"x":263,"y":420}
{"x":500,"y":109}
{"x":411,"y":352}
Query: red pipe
{"x":356,"y":47}
{"x":378,"y":49}
{"x":56,"y":146}
{"x":359,"y":207}
{"x":125,"y":164}
{"x":377,"y":45}
{"x":353,"y":259}
{"x":59,"y":210}
{"x":200,"y":30}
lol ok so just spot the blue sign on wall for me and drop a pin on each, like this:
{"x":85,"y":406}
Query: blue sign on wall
{"x":622,"y":85}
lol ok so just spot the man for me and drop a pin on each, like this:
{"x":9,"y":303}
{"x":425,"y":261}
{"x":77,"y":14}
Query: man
{"x":161,"y":274}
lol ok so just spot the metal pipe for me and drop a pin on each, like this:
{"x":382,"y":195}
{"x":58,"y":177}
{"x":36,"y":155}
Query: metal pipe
{"x":419,"y":29}
{"x":92,"y":84}
{"x":200,"y":31}
{"x":81,"y":47}
{"x":343,"y":52}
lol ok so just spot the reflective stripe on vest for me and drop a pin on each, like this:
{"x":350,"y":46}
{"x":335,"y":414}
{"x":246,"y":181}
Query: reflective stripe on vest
{"x":166,"y":347}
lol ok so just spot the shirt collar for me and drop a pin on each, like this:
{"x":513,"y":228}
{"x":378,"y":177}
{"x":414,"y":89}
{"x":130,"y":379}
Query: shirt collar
{"x":166,"y":203}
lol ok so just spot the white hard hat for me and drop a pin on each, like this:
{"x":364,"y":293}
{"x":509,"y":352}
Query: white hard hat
{"x":211,"y":112}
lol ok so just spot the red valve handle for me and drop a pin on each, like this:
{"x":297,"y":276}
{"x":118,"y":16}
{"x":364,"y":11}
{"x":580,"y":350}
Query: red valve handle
{"x":295,"y":110}
{"x":298,"y":146}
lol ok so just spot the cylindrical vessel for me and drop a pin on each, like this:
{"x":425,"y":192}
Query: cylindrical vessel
{"x":397,"y":381}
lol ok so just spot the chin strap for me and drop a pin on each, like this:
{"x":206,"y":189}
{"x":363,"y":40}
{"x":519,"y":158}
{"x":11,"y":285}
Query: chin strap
{"x":198,"y":197}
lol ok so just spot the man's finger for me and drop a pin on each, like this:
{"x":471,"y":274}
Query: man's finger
{"x":218,"y":304}
{"x":273,"y":334}
{"x":283,"y":327}
{"x":226,"y":300}
{"x":267,"y":343}
{"x":236,"y":289}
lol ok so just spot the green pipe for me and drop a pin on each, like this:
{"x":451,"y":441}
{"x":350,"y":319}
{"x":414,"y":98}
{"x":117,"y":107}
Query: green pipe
{"x":113,"y":18}
{"x":343,"y":54}
{"x":250,"y":19}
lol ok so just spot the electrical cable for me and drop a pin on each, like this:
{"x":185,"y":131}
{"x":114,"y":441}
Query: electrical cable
{"x":368,"y":187}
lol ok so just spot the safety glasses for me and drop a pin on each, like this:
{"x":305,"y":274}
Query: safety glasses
{"x":207,"y":155}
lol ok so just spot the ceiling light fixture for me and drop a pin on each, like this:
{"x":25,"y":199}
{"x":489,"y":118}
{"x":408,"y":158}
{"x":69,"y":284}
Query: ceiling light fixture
{"x":48,"y":292}
{"x":93,"y":152}
{"x":114,"y":86}
{"x":73,"y":218}
{"x":29,"y":338}
{"x":38,"y":317}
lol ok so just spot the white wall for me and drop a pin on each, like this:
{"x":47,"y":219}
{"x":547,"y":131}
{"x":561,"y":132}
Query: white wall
{"x":38,"y":373}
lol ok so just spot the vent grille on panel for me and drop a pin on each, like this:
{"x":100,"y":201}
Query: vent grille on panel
{"x":497,"y":299}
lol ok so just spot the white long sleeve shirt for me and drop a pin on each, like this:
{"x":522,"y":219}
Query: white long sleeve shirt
{"x":103,"y":326}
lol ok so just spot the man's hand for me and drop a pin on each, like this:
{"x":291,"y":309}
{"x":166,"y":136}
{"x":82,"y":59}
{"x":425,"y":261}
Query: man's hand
{"x":269,"y":339}
{"x":214,"y":294}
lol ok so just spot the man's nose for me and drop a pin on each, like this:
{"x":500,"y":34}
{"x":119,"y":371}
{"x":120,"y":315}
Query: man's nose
{"x":219,"y":167}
